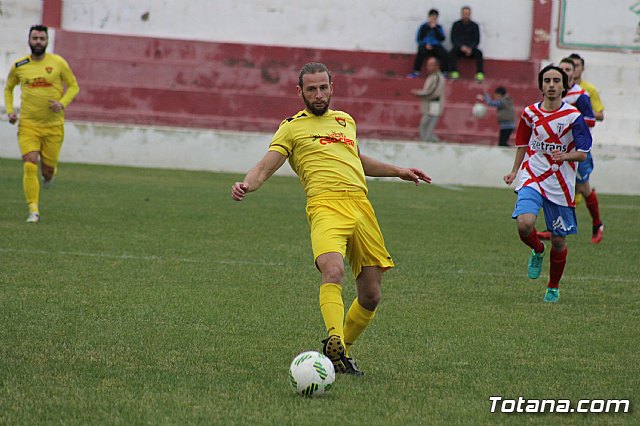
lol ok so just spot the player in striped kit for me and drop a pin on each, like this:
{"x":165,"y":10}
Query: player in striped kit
{"x":579,"y":98}
{"x":551,"y":137}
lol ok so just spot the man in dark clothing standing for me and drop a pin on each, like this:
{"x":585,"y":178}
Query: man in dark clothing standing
{"x":430,"y":37}
{"x":465,"y":37}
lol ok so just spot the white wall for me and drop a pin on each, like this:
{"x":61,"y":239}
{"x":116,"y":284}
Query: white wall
{"x":370,"y":25}
{"x":614,"y":72}
{"x":620,"y":31}
{"x":16,"y":17}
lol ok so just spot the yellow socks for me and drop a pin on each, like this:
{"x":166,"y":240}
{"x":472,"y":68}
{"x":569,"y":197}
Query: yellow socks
{"x":358,"y":318}
{"x":332,"y":308}
{"x":31,"y":185}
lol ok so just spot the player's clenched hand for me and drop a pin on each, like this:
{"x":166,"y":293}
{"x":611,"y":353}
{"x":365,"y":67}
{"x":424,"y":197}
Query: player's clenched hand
{"x":509,"y":178}
{"x":239,"y":190}
{"x":558,"y":155}
{"x":12,"y":118}
{"x":414,"y":175}
{"x":55,"y":106}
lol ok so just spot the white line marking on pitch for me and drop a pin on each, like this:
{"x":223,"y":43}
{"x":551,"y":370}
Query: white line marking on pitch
{"x":141,"y":257}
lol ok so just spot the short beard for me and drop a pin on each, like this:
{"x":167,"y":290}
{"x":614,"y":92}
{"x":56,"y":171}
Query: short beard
{"x":37,"y":50}
{"x":315,"y":110}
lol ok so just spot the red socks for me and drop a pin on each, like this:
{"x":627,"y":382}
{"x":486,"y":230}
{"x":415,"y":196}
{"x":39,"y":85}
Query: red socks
{"x":557,"y":261}
{"x":533,"y":241}
{"x":592,"y":205}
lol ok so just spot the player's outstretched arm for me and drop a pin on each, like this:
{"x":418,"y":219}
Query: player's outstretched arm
{"x":558,"y":155}
{"x":262,"y":171}
{"x":375,"y":168}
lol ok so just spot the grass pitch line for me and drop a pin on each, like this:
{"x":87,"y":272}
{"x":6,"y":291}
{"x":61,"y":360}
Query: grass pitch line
{"x":141,"y":257}
{"x":450,"y":187}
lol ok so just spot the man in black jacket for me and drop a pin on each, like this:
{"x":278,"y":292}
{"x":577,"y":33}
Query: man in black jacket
{"x":465,"y":37}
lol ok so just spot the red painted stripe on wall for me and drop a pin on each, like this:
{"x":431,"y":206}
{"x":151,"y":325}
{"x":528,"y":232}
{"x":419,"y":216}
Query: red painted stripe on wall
{"x":52,"y":13}
{"x":144,"y":80}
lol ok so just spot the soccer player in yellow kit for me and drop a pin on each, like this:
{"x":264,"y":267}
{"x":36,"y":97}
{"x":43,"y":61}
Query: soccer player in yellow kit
{"x":594,"y":96}
{"x":322,"y":148}
{"x":583,"y":188}
{"x":41,"y":129}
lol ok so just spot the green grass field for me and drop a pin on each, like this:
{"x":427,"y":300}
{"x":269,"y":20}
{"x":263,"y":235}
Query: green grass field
{"x":150,"y":297}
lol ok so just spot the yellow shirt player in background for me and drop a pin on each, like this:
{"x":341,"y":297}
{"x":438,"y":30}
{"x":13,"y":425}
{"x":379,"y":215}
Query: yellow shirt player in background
{"x":584,"y":190}
{"x":596,"y":103}
{"x":322,"y":148}
{"x":41,"y":129}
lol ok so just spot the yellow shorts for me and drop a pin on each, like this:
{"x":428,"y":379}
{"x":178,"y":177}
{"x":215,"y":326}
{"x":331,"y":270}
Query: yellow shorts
{"x":346,"y":224}
{"x":46,"y":140}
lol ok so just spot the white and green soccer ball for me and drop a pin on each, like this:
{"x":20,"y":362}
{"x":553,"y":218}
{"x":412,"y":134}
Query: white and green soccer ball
{"x":311,"y":374}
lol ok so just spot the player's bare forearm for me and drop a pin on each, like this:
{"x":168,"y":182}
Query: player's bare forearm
{"x":258,"y":175}
{"x":558,"y":155}
{"x":375,"y":168}
{"x":517,"y":162}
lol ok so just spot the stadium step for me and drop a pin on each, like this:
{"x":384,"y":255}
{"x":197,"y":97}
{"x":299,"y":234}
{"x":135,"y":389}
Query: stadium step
{"x":141,"y":80}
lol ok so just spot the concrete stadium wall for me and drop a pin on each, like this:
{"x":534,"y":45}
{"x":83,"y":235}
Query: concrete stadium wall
{"x":237,"y":152}
{"x":16,"y":16}
{"x":614,"y":71}
{"x":617,"y":162}
{"x":359,"y":25}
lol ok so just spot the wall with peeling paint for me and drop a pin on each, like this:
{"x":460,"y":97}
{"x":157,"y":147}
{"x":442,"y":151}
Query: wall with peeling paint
{"x":615,"y":73}
{"x":16,"y":16}
{"x":370,"y":25}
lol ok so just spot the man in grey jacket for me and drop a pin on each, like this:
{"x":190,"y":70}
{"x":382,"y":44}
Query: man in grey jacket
{"x":432,"y":96}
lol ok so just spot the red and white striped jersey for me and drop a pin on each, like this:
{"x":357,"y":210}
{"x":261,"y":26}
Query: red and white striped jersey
{"x":579,"y":98}
{"x":543,"y":131}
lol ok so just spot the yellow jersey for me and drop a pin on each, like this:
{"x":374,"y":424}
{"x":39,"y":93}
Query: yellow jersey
{"x":323,"y":151}
{"x":596,"y":103}
{"x":41,"y":81}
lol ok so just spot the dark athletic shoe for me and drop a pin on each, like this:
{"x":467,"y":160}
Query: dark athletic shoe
{"x":352,"y":367}
{"x":334,"y":350}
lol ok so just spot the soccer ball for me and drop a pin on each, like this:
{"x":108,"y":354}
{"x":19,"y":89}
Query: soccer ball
{"x":311,"y":374}
{"x":479,"y":110}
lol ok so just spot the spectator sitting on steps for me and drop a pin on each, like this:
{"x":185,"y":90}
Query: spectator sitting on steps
{"x":430,"y":37}
{"x":465,"y":37}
